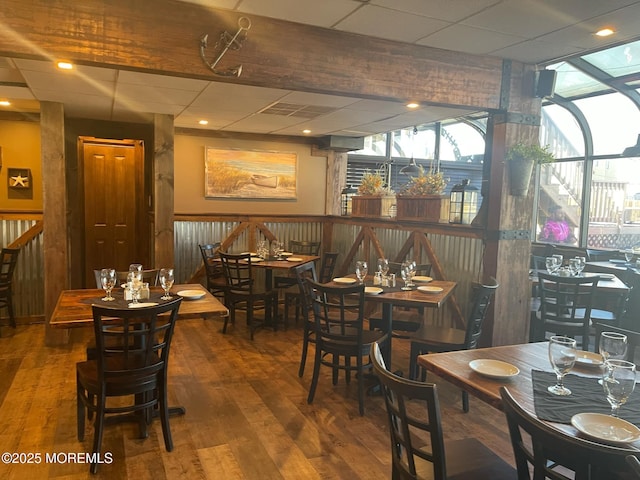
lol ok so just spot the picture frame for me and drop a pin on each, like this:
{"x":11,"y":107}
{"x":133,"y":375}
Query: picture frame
{"x":19,"y":178}
{"x":250,"y":174}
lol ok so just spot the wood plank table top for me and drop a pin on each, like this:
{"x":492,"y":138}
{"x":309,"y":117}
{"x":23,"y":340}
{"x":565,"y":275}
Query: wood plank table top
{"x":73,"y":308}
{"x":454,"y":368}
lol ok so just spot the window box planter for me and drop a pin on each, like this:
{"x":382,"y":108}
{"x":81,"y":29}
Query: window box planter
{"x":422,"y":208}
{"x":375,"y":206}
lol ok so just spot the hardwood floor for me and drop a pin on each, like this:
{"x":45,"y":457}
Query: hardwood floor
{"x":247,"y":415}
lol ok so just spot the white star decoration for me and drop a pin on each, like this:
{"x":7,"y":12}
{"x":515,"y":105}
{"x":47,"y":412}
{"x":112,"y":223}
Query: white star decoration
{"x":19,"y":181}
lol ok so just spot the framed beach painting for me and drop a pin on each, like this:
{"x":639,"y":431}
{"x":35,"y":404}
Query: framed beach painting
{"x":235,"y":173}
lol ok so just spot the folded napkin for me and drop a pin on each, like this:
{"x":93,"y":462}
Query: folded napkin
{"x":586,"y":396}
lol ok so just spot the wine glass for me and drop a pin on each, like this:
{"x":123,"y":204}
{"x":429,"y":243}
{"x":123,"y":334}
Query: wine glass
{"x":628,"y":255}
{"x":581,"y":263}
{"x":562,"y":355}
{"x":405,"y":272}
{"x":166,"y":281}
{"x":134,"y":280}
{"x":383,"y":266}
{"x":574,"y":266}
{"x":551,"y":264}
{"x":613,"y":345}
{"x":619,"y":380}
{"x":108,"y":281}
{"x":135,"y":267}
{"x":361,"y":270}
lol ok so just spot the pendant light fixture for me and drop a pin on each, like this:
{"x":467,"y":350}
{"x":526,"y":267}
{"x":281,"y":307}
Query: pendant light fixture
{"x":412,"y":168}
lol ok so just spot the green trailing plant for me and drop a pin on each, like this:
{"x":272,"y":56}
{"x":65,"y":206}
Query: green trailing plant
{"x":536,"y":153}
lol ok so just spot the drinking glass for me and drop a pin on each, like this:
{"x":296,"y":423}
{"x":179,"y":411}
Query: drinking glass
{"x":134,"y":280}
{"x":108,"y":281}
{"x":277,"y":247}
{"x":613,"y":345}
{"x":135,"y":267}
{"x":262,"y":250}
{"x":581,"y":262}
{"x":383,"y":266}
{"x":552,"y":265}
{"x":406,"y":269}
{"x":619,"y":380}
{"x":628,"y":255}
{"x":559,"y":259}
{"x":562,"y":355}
{"x":166,"y":281}
{"x":361,"y":270}
{"x":574,"y":266}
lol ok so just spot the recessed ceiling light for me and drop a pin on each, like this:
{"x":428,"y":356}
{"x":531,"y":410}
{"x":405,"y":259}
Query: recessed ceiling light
{"x":412,"y":105}
{"x":605,"y":32}
{"x":204,"y":122}
{"x":306,"y":131}
{"x":65,"y":65}
{"x":5,"y":103}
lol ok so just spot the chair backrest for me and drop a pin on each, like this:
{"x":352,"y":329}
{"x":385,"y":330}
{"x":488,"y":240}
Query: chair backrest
{"x":237,"y":271}
{"x":407,"y":425}
{"x":481,"y":300}
{"x":338,"y":312}
{"x":210,"y":258}
{"x":133,"y":341}
{"x":302,"y":273}
{"x":565,"y":303}
{"x":328,"y":266}
{"x":633,"y":338}
{"x":548,"y":451}
{"x":304,"y":247}
{"x":421,"y":269}
{"x":538,"y":262}
{"x":8,"y":261}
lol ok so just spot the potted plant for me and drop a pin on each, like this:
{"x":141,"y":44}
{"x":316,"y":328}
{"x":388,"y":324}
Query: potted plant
{"x":421,"y":198}
{"x":374,"y":199}
{"x":521,"y":158}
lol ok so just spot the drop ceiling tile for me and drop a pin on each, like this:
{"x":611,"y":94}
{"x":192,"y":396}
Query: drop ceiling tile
{"x":139,"y":105}
{"x":390,"y":24}
{"x":440,"y":9}
{"x":10,"y":92}
{"x":389,"y":108}
{"x":57,"y":82}
{"x":164,"y":81}
{"x":536,"y":52}
{"x":308,"y":98}
{"x":323,"y":13}
{"x":128,"y":92}
{"x":456,"y":38}
{"x":88,"y":72}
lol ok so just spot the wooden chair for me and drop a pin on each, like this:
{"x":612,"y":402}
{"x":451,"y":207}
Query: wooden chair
{"x":242,"y":293}
{"x":633,"y":338}
{"x":136,"y":367}
{"x":339,"y":334}
{"x":8,"y":261}
{"x":305,"y":297}
{"x":216,"y":283}
{"x":565,"y":306}
{"x":432,"y":339}
{"x":293,"y":295}
{"x":404,"y":320}
{"x":413,"y":412}
{"x":550,"y":453}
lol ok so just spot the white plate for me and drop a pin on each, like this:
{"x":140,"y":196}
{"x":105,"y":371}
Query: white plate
{"x":494,"y":368}
{"x":373,"y":290}
{"x":344,"y":280}
{"x":142,"y":304}
{"x":588,"y":359}
{"x":256,"y":259}
{"x":191,"y":294}
{"x":618,"y":261}
{"x":606,"y":276}
{"x":286,"y":254}
{"x":421,"y":278}
{"x":606,"y":428}
{"x":294,"y":259}
{"x":428,"y":289}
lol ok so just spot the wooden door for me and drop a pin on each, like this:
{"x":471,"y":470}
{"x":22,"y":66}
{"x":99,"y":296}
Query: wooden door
{"x":114,"y":216}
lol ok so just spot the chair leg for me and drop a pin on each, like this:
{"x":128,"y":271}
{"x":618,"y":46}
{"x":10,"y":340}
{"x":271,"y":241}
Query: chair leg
{"x":465,"y":402}
{"x":413,"y":361}
{"x":336,"y":370}
{"x":316,"y":374}
{"x":98,"y":430}
{"x":80,"y":410}
{"x":360,"y":371}
{"x":305,"y":349}
{"x":164,"y":416}
{"x":12,"y":319}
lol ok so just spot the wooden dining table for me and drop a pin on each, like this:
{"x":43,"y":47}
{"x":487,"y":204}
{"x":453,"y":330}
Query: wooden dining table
{"x":288,"y":262}
{"x":73,"y":308}
{"x":454,"y":368}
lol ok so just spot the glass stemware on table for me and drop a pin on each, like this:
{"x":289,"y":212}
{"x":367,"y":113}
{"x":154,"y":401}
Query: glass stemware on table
{"x":383,"y":266}
{"x":108,"y":280}
{"x":628,"y":254}
{"x":407,"y":272}
{"x":551,"y":263}
{"x":619,"y":381}
{"x":277,"y":247}
{"x":562,"y":356}
{"x":134,"y":281}
{"x":613,"y":345}
{"x":361,"y":270}
{"x":166,"y":281}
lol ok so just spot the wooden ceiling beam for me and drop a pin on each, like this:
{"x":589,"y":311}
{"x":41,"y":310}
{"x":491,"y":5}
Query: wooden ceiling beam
{"x":163,"y":37}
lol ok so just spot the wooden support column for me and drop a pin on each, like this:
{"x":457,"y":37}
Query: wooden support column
{"x":508,"y":218}
{"x":163,"y":153}
{"x":336,"y":175}
{"x":55,"y":220}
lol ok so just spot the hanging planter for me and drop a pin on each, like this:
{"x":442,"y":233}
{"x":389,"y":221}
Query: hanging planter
{"x":521,"y":159}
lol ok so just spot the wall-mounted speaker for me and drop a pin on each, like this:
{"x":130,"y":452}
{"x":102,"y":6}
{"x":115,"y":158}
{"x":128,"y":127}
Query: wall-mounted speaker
{"x":545,"y":83}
